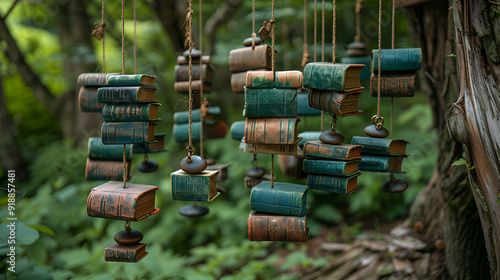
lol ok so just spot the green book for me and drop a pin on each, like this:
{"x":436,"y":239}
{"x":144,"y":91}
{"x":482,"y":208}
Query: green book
{"x":94,"y":79}
{"x":183,"y":117}
{"x":238,"y":130}
{"x":157,"y":146}
{"x":194,"y":187}
{"x":336,"y":184}
{"x":270,"y":102}
{"x":381,"y":146}
{"x":132,"y":80}
{"x":127,"y":132}
{"x":281,"y":79}
{"x":337,"y":152}
{"x":381,"y":164}
{"x":126,"y":94}
{"x":335,"y":102}
{"x":130,"y":112}
{"x":330,"y":167}
{"x":97,"y":150}
{"x":329,"y":76}
{"x":364,"y":60}
{"x":303,"y":108}
{"x":87,"y":100}
{"x":211,"y":130}
{"x":283,"y":198}
{"x":397,"y":60}
{"x":308,"y":136}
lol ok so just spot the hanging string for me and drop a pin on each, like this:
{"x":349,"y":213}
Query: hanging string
{"x":334,"y":30}
{"x":123,"y":73}
{"x":379,"y":53}
{"x":201,"y":79}
{"x":253,"y":25}
{"x":323,"y":31}
{"x":103,"y":23}
{"x":393,"y":42}
{"x":315,"y":29}
{"x":190,"y":45}
{"x":273,"y":21}
{"x":305,"y":56}
{"x":135,"y":41}
{"x":359,"y":6}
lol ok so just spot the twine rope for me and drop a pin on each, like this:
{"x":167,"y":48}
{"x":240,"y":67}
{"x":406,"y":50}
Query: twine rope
{"x":273,"y":35}
{"x":315,"y":29}
{"x":135,"y":40}
{"x":103,"y":38}
{"x":393,"y":42}
{"x":190,"y":44}
{"x":323,"y":31}
{"x":123,"y":73}
{"x":201,"y":78}
{"x":379,"y":53}
{"x":334,"y":31}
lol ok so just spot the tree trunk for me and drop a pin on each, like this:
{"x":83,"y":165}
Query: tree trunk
{"x":446,"y":206}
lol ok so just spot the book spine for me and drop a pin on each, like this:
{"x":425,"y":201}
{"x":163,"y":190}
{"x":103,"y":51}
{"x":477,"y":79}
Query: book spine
{"x":87,"y":100}
{"x":183,"y":87}
{"x":238,"y":130}
{"x":324,"y":167}
{"x":128,"y":80}
{"x":97,"y":150}
{"x":245,"y":59}
{"x":285,"y":149}
{"x":276,"y":228}
{"x":125,"y":132}
{"x":374,"y":163}
{"x":303,"y":108}
{"x":270,"y":102}
{"x":94,"y":79}
{"x":329,"y":151}
{"x":271,"y":130}
{"x":112,"y":205}
{"x":117,"y":94}
{"x":329,"y":101}
{"x":105,"y":170}
{"x":371,"y":145}
{"x":127,"y":113}
{"x":238,"y":82}
{"x":277,"y":202}
{"x":183,"y":117}
{"x":265,"y":79}
{"x":327,"y":183}
{"x":190,"y":188}
{"x":397,"y":60}
{"x":393,"y":86}
{"x":182,"y":73}
{"x":325,"y":76}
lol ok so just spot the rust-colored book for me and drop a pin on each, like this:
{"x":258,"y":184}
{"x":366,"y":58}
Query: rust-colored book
{"x":183,"y":87}
{"x":238,"y":82}
{"x":245,"y":59}
{"x":280,"y":79}
{"x":274,"y":131}
{"x":87,"y":100}
{"x":121,"y":253}
{"x":393,"y":85}
{"x":181,"y":73}
{"x":338,"y":152}
{"x":273,"y":227}
{"x":334,"y":102}
{"x":127,"y":132}
{"x":112,"y":201}
{"x":183,"y":60}
{"x":106,"y":170}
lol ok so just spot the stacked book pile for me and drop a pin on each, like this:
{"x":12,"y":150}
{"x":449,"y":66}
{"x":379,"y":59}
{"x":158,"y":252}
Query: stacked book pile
{"x":381,"y":155}
{"x":89,"y":85}
{"x":105,"y":162}
{"x":201,"y":77}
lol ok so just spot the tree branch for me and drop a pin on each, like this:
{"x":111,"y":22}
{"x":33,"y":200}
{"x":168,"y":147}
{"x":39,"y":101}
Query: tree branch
{"x":172,"y":15}
{"x":220,"y":16}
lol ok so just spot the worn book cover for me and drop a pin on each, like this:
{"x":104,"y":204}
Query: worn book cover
{"x":127,"y":132}
{"x":329,"y":76}
{"x":282,"y":198}
{"x":97,"y":150}
{"x":157,"y":146}
{"x":336,"y":184}
{"x":132,"y":80}
{"x":280,"y":79}
{"x":211,"y":130}
{"x":273,"y":149}
{"x":134,"y":112}
{"x":337,"y":152}
{"x":87,"y":100}
{"x":194,"y":187}
{"x":106,"y":170}
{"x":270,"y":103}
{"x":271,"y":130}
{"x":334,"y":102}
{"x":94,"y":79}
{"x":381,"y":146}
{"x":183,"y":87}
{"x":181,"y":73}
{"x":132,"y":94}
{"x":381,"y":163}
{"x":272,"y":227}
{"x":397,"y":60}
{"x":245,"y":59}
{"x":121,"y":253}
{"x":331,"y":167}
{"x":393,"y":85}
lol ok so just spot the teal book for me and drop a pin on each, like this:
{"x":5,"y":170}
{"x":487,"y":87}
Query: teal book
{"x":364,"y":60}
{"x":157,"y":146}
{"x":211,"y":130}
{"x":283,"y":198}
{"x":127,"y":132}
{"x":330,"y":167}
{"x":194,"y":187}
{"x":397,"y":60}
{"x":238,"y":130}
{"x":381,"y":164}
{"x":95,"y":79}
{"x":281,"y":79}
{"x":183,"y":117}
{"x":334,"y":102}
{"x":126,"y":94}
{"x":137,"y":112}
{"x":381,"y":146}
{"x":303,"y":108}
{"x":335,"y":184}
{"x":329,"y":76}
{"x":308,"y":136}
{"x":132,"y":80}
{"x":181,"y":72}
{"x":97,"y":150}
{"x":337,"y":152}
{"x":270,"y":103}
{"x":87,"y":100}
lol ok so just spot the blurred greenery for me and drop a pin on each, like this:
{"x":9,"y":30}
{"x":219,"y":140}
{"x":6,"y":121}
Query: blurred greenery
{"x":66,"y":244}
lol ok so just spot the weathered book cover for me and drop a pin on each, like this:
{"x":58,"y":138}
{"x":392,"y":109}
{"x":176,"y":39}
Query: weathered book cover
{"x":130,"y":112}
{"x":106,"y":170}
{"x":94,"y":79}
{"x":281,"y":79}
{"x":331,"y":167}
{"x":283,"y":198}
{"x":132,"y":80}
{"x":303,"y":108}
{"x":338,"y":152}
{"x":127,"y":132}
{"x":157,"y":146}
{"x":183,"y":117}
{"x":270,"y":102}
{"x":334,"y":102}
{"x":183,"y":87}
{"x":308,"y":136}
{"x":329,"y":76}
{"x":397,"y":60}
{"x":271,"y":131}
{"x":393,"y":85}
{"x":238,"y":130}
{"x":181,"y":73}
{"x":381,"y":146}
{"x":272,"y":227}
{"x":364,"y":60}
{"x":126,"y":94}
{"x":183,"y":60}
{"x":238,"y":82}
{"x":222,"y":168}
{"x":211,"y":130}
{"x":280,"y":149}
{"x":194,"y":187}
{"x":245,"y":59}
{"x":121,"y":253}
{"x":381,"y":164}
{"x":336,"y":184}
{"x":112,"y":201}
{"x":87,"y":100}
{"x":97,"y":150}
{"x":252,"y":182}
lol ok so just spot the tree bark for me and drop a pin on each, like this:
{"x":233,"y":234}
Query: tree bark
{"x":172,"y":15}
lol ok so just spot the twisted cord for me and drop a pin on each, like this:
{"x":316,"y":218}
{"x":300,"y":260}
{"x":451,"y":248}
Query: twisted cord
{"x":201,"y":78}
{"x":190,"y":45}
{"x":334,"y":30}
{"x":315,"y":29}
{"x":379,"y":53}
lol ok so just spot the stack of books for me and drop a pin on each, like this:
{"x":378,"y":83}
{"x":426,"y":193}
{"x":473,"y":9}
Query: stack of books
{"x":381,"y":155}
{"x":89,"y":85}
{"x":213,"y":128}
{"x":105,"y":162}
{"x":397,"y":72}
{"x":199,"y":78}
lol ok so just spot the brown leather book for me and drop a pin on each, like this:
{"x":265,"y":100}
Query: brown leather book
{"x":183,"y":87}
{"x":106,"y":170}
{"x":271,"y":227}
{"x":182,"y":73}
{"x":393,"y":85}
{"x":121,"y":253}
{"x":245,"y":59}
{"x":271,"y":130}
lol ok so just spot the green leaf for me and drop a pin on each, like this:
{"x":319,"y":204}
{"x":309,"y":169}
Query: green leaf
{"x":459,"y":162}
{"x":42,"y":228}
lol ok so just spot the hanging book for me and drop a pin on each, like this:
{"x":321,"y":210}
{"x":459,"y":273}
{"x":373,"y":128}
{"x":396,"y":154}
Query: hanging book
{"x":381,"y":164}
{"x":120,"y":253}
{"x":94,"y":79}
{"x":245,"y":59}
{"x":87,"y":100}
{"x":397,"y":60}
{"x":106,"y":170}
{"x":157,"y":146}
{"x":328,"y":76}
{"x":393,"y":85}
{"x":381,"y":146}
{"x":271,"y":131}
{"x":183,"y":117}
{"x":280,"y":79}
{"x":183,"y":87}
{"x":334,"y":102}
{"x":303,"y":108}
{"x":283,"y":198}
{"x":130,"y":112}
{"x":276,"y":149}
{"x":337,"y":152}
{"x":181,"y":73}
{"x":211,"y":130}
{"x":270,"y":102}
{"x":272,"y":227}
{"x":336,"y":184}
{"x":127,"y":132}
{"x":126,"y":94}
{"x":331,"y":167}
{"x":132,"y":80}
{"x":97,"y":150}
{"x":194,"y":187}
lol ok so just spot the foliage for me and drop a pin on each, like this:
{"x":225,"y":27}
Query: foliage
{"x":463,"y":162}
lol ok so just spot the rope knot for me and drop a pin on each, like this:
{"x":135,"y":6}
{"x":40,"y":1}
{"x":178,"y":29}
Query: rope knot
{"x":266,"y":29}
{"x":98,"y":31}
